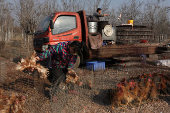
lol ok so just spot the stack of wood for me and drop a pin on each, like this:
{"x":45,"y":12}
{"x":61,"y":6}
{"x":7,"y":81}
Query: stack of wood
{"x":11,"y":104}
{"x":139,"y":88}
{"x":30,"y":63}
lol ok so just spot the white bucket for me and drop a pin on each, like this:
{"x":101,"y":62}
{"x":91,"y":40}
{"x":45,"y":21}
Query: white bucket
{"x":92,"y":27}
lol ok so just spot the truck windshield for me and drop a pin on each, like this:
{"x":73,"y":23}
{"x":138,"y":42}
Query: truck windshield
{"x":44,"y":24}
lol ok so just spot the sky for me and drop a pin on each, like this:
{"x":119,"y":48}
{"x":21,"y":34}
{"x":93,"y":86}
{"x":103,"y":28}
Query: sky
{"x":116,"y":3}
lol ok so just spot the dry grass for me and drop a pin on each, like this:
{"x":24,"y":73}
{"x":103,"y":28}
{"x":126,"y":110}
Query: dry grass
{"x":16,"y":49}
{"x":91,"y":97}
{"x":89,"y":100}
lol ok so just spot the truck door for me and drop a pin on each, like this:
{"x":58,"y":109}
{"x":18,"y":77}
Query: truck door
{"x":67,"y":28}
{"x":84,"y":26}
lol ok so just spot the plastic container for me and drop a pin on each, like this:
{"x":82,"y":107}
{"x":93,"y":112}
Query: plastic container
{"x":95,"y":66}
{"x":130,"y":22}
{"x":105,"y":43}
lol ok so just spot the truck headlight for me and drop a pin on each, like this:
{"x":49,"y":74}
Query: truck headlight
{"x":44,"y":47}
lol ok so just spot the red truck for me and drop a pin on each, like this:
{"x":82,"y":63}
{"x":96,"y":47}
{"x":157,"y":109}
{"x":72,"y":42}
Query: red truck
{"x":71,"y":26}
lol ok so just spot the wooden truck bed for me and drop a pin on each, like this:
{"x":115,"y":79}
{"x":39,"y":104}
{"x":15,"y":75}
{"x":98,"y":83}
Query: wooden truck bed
{"x":110,"y":51}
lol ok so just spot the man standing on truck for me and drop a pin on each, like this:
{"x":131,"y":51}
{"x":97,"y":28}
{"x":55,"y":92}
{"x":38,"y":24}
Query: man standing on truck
{"x":98,"y":14}
{"x":64,"y":56}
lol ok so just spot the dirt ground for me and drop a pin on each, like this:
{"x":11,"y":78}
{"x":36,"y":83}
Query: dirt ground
{"x":88,"y":100}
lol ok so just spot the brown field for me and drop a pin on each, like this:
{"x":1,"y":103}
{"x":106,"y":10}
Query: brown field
{"x":88,"y":100}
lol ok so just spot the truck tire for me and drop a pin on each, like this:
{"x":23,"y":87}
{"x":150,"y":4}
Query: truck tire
{"x":76,"y":65}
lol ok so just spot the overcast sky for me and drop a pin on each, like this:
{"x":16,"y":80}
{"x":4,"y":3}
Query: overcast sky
{"x":116,"y":3}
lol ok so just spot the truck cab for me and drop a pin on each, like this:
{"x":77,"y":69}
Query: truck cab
{"x":60,"y":27}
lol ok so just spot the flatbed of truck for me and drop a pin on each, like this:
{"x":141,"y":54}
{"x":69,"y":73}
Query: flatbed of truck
{"x":115,"y":50}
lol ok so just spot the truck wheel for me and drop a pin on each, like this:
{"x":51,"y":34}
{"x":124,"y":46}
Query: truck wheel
{"x":76,"y":65}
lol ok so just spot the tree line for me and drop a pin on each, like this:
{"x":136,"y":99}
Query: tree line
{"x":21,"y":15}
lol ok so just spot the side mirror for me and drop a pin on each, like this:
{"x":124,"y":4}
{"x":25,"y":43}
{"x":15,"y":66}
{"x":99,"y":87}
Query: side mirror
{"x":51,"y":24}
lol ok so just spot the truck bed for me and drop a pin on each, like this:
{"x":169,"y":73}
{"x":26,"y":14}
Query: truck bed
{"x":110,"y":51}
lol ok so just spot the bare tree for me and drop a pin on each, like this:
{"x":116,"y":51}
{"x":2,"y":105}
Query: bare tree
{"x":6,"y":20}
{"x":131,"y":9}
{"x":92,"y":5}
{"x":162,"y":21}
{"x":72,"y":5}
{"x":50,"y":6}
{"x":27,"y":13}
{"x":156,"y":17}
{"x":113,"y":17}
{"x":152,"y":12}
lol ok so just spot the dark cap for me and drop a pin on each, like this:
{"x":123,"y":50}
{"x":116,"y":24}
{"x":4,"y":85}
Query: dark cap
{"x":98,"y":9}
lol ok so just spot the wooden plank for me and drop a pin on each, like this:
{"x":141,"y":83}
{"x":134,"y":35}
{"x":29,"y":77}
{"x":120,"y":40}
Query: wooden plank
{"x":135,"y":30}
{"x":116,"y":46}
{"x":132,"y":39}
{"x":135,"y":26}
{"x":131,"y":64}
{"x":136,"y":35}
{"x":124,"y":50}
{"x":128,"y":58}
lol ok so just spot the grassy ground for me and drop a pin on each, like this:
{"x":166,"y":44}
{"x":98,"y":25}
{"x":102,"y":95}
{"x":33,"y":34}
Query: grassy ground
{"x":88,"y":100}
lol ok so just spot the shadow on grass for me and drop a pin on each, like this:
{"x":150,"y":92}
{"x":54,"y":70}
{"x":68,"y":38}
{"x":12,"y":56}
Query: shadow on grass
{"x":165,"y":94}
{"x":102,"y":98}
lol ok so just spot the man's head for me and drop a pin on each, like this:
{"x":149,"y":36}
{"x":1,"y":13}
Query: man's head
{"x":99,"y":10}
